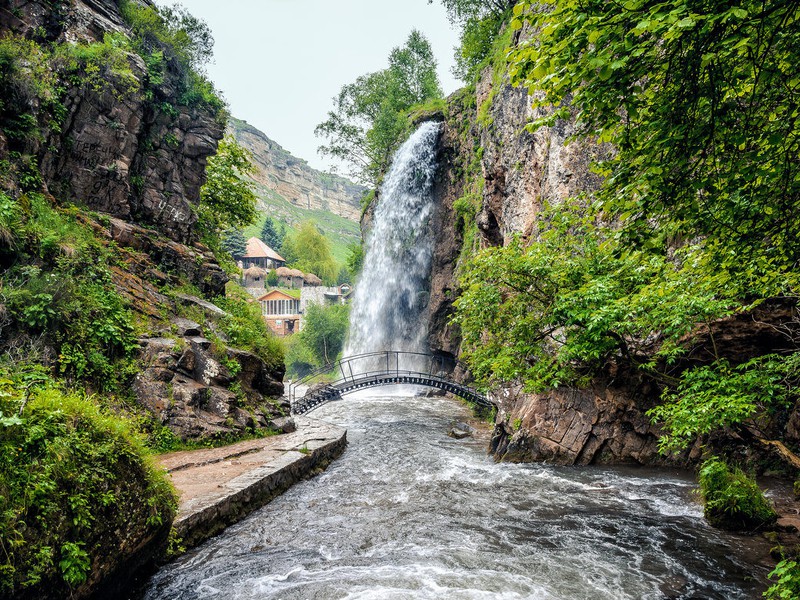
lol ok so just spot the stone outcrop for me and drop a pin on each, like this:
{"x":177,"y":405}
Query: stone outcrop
{"x":292,"y":179}
{"x":187,"y":383}
{"x":573,"y":426}
{"x":134,"y":155}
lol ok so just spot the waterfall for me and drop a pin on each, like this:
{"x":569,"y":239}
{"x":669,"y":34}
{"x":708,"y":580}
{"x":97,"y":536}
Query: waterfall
{"x":390,"y":299}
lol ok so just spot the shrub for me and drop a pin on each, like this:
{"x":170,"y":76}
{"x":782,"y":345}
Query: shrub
{"x":787,"y":586}
{"x":73,"y":482}
{"x":26,"y":84}
{"x":99,"y":65}
{"x":63,"y":290}
{"x":733,"y":500}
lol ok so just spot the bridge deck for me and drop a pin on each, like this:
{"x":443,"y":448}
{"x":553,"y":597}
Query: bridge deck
{"x":389,"y":372}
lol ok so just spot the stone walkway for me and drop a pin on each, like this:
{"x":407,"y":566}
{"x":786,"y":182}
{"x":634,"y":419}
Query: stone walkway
{"x":220,"y":486}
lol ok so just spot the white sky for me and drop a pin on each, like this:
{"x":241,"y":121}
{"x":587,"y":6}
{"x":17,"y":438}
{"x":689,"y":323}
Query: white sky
{"x":279,"y":63}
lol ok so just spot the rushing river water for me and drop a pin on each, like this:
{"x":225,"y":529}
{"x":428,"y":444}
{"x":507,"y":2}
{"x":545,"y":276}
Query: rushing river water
{"x":408,"y":512}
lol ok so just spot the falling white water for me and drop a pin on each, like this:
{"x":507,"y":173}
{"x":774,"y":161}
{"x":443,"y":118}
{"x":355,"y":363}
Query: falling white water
{"x":388,"y":310}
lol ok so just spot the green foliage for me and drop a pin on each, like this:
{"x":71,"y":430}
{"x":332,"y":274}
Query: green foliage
{"x":368,"y":121}
{"x":227,"y":199}
{"x":272,"y":278}
{"x":720,"y":395}
{"x":308,"y":250}
{"x":787,"y":586}
{"x":186,"y":36}
{"x":63,"y":292}
{"x":321,"y":340}
{"x":101,"y":65}
{"x":700,"y":102}
{"x":733,"y":500}
{"x":325,"y":330}
{"x":690,"y":224}
{"x":355,"y":259}
{"x":27,"y":83}
{"x":480,"y":23}
{"x":557,"y":311}
{"x":272,"y":233}
{"x":186,"y":41}
{"x":246,"y":328}
{"x":71,"y":478}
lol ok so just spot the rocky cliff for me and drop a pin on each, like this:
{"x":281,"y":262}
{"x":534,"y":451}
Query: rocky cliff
{"x":495,"y":178}
{"x":127,"y":148}
{"x":292,"y":179}
{"x":106,"y":290}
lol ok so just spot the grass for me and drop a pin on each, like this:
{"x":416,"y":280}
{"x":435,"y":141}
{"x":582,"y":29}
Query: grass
{"x":340,"y":231}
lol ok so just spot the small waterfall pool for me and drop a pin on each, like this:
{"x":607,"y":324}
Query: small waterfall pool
{"x":408,"y":512}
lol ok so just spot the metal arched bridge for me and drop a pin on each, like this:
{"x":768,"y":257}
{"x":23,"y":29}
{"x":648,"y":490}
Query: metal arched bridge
{"x":390,"y":367}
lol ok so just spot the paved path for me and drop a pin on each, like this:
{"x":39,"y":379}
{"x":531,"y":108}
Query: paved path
{"x":220,"y":486}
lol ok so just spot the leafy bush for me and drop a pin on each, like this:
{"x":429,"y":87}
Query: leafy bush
{"x":99,"y":65}
{"x":63,"y":290}
{"x":71,"y":479}
{"x":787,"y":586}
{"x":184,"y":38}
{"x":27,"y":84}
{"x":322,"y":339}
{"x":720,"y":395}
{"x":733,"y":500}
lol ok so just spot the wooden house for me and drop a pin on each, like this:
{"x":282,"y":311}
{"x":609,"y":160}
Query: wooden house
{"x":258,"y":254}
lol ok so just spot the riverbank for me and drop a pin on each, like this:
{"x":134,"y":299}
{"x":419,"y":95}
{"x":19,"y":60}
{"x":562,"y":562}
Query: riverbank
{"x":220,"y":486}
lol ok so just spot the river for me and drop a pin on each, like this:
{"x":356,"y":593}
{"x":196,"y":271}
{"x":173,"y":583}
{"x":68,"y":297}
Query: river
{"x":408,"y":512}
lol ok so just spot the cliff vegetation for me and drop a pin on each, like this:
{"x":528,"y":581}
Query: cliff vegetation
{"x":621,"y":180}
{"x":110,"y":348}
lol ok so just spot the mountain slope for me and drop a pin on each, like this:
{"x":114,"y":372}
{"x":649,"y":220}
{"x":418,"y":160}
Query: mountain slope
{"x":291,"y":191}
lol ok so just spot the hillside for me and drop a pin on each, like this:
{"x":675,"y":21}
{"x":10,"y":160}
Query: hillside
{"x":291,"y":191}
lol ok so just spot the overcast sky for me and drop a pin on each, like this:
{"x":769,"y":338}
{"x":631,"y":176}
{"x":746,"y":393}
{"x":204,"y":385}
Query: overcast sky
{"x":279,"y":63}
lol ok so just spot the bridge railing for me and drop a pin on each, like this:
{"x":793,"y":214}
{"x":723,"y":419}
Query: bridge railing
{"x":399,"y":362}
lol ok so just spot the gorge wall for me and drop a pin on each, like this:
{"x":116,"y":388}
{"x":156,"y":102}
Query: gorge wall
{"x":104,"y":138}
{"x":496,"y":178}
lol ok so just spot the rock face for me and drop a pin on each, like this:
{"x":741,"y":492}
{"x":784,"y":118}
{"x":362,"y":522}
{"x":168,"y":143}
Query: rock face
{"x":187,"y":384}
{"x":568,"y":426}
{"x":509,"y":174}
{"x":132,"y":155}
{"x":293,"y":179}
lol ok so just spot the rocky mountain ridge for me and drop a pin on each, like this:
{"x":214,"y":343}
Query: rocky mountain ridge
{"x":293,"y":179}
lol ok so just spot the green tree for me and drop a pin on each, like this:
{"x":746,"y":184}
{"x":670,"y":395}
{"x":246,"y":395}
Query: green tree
{"x":479,"y":21}
{"x":188,"y":37}
{"x":305,"y":248}
{"x":227,"y":199}
{"x":272,"y":233}
{"x":700,"y":100}
{"x":233,"y":243}
{"x":321,"y":340}
{"x":368,"y":121}
{"x":355,"y":259}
